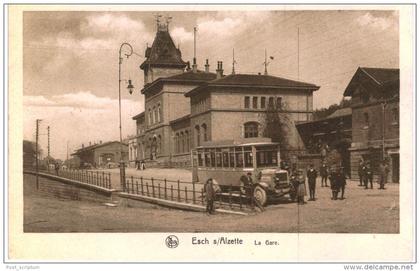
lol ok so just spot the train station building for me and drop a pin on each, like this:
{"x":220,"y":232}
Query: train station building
{"x":186,"y":106}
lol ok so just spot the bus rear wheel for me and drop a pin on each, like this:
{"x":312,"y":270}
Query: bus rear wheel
{"x":260,"y":195}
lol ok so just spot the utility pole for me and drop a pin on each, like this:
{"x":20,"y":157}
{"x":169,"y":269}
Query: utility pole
{"x":233,"y":61}
{"x":265,"y":62}
{"x":48,"y":157}
{"x":298,"y":48}
{"x":194,"y":66}
{"x":36,"y":152}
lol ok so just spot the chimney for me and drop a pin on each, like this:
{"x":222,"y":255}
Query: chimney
{"x":90,"y":143}
{"x":83,"y":145}
{"x":100,"y":141}
{"x":207,"y":66}
{"x":194,"y":65}
{"x":219,"y":71}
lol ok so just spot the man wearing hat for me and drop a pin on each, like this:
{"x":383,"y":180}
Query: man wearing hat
{"x":334,"y":182}
{"x":383,"y":170}
{"x":341,"y":181}
{"x":311,"y":174}
{"x":368,"y":176}
{"x":360,"y":171}
{"x":324,"y":174}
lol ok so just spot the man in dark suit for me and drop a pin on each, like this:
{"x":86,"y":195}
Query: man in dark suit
{"x":360,"y":171}
{"x":334,"y":183}
{"x":341,"y":181}
{"x":368,"y":175}
{"x":311,"y":174}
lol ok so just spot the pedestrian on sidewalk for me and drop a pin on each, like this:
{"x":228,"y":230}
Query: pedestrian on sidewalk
{"x":57,"y":168}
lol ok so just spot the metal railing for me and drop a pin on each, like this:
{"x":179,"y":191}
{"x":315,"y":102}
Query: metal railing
{"x":96,"y":178}
{"x":229,"y":197}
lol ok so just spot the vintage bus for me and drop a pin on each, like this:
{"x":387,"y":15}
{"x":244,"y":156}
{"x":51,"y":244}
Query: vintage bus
{"x":228,"y":163}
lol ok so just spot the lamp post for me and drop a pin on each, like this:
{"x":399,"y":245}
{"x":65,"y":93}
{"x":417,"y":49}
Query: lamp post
{"x":130,"y":88}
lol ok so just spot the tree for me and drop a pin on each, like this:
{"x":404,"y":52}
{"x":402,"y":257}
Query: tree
{"x":322,"y":113}
{"x":276,"y":122}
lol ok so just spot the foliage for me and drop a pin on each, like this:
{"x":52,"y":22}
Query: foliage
{"x":276,"y":124}
{"x":322,"y":113}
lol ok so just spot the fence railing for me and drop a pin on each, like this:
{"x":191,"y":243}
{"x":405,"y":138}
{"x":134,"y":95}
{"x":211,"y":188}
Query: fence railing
{"x":97,"y":178}
{"x":229,"y":197}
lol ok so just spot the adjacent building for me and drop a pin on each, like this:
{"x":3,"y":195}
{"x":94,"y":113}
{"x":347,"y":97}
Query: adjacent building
{"x":102,"y":154}
{"x":186,"y":106}
{"x":375,"y":94}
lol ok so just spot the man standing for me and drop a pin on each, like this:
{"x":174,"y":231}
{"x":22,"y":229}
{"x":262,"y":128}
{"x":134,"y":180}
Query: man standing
{"x":324,"y":174}
{"x":383,"y":171}
{"x":368,"y":176}
{"x":341,"y":181}
{"x":210,"y":195}
{"x":334,"y":183}
{"x":360,"y":171}
{"x":57,"y":167}
{"x":311,"y":174}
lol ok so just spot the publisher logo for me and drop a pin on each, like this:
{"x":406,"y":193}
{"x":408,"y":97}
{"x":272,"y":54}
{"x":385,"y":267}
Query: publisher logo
{"x":172,"y":241}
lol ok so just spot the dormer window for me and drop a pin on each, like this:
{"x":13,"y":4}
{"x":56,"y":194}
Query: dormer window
{"x":366,"y":120}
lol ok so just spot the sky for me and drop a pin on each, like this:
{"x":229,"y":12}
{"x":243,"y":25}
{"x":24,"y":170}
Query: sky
{"x":70,"y":60}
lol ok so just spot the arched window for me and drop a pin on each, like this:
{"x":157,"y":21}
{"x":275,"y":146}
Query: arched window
{"x":204,"y":127}
{"x":176,"y":142}
{"x":197,"y":135}
{"x":182,"y":142}
{"x":155,"y":111}
{"x":250,"y":129}
{"x":150,"y":117}
{"x":159,"y":113}
{"x":395,"y":115}
{"x":187,"y":140}
{"x":159,"y":145}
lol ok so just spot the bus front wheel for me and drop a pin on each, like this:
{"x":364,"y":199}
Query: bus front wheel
{"x":260,"y":195}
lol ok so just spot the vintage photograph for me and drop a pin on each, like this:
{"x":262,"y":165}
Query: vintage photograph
{"x":243,"y":121}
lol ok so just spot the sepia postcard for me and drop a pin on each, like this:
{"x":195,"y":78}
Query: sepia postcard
{"x":210,"y":133}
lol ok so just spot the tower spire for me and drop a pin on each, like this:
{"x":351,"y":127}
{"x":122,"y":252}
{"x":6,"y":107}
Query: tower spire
{"x":194,"y":66}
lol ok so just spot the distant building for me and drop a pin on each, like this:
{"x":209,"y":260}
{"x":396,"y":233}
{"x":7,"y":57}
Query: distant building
{"x":101,"y":155}
{"x":375,"y":95}
{"x":185,"y":106}
{"x":331,"y":133}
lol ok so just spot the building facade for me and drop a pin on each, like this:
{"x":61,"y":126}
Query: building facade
{"x":185,"y":106}
{"x":374,"y":96}
{"x":103,"y":154}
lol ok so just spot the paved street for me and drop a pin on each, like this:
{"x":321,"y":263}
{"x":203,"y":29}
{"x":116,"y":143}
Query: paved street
{"x":358,"y":213}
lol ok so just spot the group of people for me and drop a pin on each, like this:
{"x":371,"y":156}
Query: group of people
{"x":335,"y":175}
{"x":366,"y":174}
{"x":140,"y":165}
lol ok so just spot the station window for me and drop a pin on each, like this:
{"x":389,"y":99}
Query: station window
{"x":225,"y":158}
{"x":251,"y":129}
{"x":366,"y":119}
{"x":247,"y":102}
{"x":254,"y":102}
{"x":278,"y":102}
{"x":271,"y":102}
{"x":262,"y":101}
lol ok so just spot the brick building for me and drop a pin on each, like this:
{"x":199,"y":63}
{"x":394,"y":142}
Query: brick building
{"x":374,"y":96}
{"x":99,"y":155}
{"x":185,"y":106}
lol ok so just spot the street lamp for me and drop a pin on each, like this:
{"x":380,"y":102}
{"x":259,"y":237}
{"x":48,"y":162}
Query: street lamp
{"x":130,"y":89}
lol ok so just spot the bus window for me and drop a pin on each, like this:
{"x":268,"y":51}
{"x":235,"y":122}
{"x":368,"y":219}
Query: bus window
{"x":225,"y":156}
{"x":266,"y":158}
{"x":218,"y":159}
{"x":248,"y":159}
{"x":231,"y":160}
{"x":207,"y":159}
{"x":239,"y":159}
{"x":212,"y":159}
{"x":200,"y":159}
